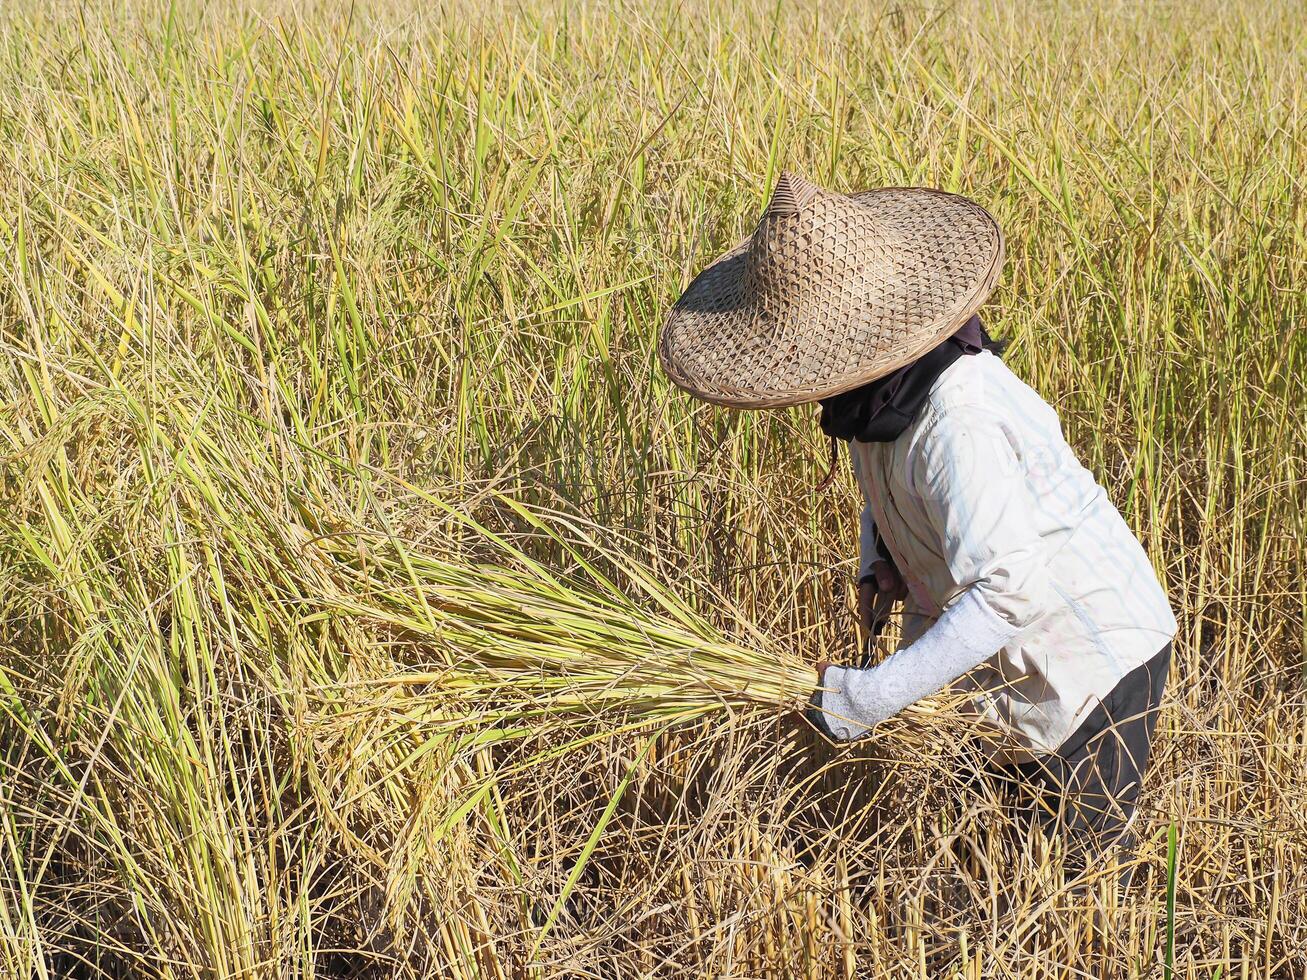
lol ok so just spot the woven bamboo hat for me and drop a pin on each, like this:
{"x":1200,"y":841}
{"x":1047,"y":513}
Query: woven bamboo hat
{"x":830,"y":292}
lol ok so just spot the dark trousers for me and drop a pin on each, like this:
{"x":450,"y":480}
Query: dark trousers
{"x":1088,"y":787}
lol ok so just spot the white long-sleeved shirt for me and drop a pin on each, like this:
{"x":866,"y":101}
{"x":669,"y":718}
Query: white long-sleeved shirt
{"x":1024,"y":581}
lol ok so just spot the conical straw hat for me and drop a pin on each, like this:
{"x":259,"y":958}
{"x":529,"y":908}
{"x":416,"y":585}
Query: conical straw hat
{"x":830,"y":292}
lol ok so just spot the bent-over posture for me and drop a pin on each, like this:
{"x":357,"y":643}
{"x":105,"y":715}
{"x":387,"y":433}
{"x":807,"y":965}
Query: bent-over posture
{"x":1021,"y":583}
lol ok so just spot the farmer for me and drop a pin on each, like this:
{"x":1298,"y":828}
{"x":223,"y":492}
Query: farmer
{"x":1021,"y":582}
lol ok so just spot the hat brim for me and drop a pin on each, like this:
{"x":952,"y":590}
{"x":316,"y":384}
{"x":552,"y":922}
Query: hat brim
{"x":939,"y":260}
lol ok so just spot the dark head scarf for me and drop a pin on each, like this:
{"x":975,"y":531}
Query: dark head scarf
{"x":881,"y":410}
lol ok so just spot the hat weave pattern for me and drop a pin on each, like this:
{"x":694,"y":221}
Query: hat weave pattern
{"x":830,"y":292}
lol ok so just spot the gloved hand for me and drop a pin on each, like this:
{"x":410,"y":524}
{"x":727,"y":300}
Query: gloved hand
{"x":834,"y":729}
{"x":816,"y":717}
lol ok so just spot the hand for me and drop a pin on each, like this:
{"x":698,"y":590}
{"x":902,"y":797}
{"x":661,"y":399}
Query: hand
{"x":816,"y":717}
{"x":888,"y":583}
{"x":833,"y":729}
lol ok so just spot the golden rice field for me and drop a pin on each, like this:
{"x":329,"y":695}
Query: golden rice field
{"x":370,"y":604}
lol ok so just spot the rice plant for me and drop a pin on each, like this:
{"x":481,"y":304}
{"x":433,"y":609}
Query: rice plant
{"x":371,"y":606}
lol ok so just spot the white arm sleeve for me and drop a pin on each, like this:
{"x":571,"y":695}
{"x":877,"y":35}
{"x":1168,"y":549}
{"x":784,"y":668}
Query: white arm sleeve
{"x":967,"y":634}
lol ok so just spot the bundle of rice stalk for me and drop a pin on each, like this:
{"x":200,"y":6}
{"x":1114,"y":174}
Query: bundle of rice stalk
{"x":511,"y":653}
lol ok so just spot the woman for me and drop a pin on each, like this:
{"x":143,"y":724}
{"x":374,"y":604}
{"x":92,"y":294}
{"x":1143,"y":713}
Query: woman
{"x":1022,"y":584}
